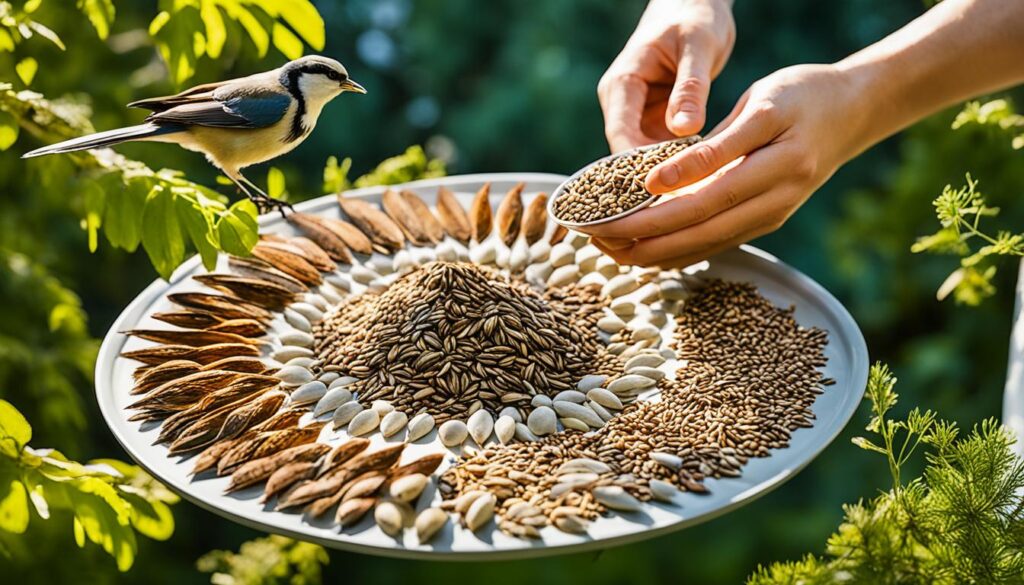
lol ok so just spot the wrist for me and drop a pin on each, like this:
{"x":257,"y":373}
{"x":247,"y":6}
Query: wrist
{"x":876,"y":106}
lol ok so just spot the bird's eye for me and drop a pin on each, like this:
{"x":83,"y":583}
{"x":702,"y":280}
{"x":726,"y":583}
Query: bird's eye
{"x":333,"y":75}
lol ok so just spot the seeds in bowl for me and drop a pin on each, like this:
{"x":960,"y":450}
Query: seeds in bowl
{"x":614,"y":185}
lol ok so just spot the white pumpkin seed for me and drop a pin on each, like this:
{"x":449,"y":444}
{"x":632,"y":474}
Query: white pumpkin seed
{"x":511,"y":412}
{"x":540,"y":400}
{"x":586,"y":257}
{"x":600,"y":410}
{"x":332,"y":294}
{"x":297,"y":338}
{"x":290,"y":352}
{"x":408,"y":487}
{"x":363,"y":274}
{"x":572,"y":524}
{"x":484,"y":253}
{"x":571,"y":396}
{"x":314,"y":300}
{"x":562,"y":254}
{"x":542,"y":421}
{"x":578,"y":411}
{"x":446,"y":253}
{"x":619,"y":285}
{"x":662,"y":490}
{"x":591,"y":381}
{"x":616,"y":498}
{"x":332,"y":400}
{"x":501,"y":255}
{"x":341,"y":281}
{"x":480,"y":512}
{"x":453,"y":433}
{"x":645,"y":331}
{"x":576,"y":239}
{"x":402,"y":262}
{"x":342,"y":381}
{"x":420,"y":426}
{"x":308,"y":392}
{"x":363,"y":423}
{"x":583,"y":465}
{"x":538,"y":274}
{"x":564,"y":275}
{"x":311,"y":313}
{"x":302,"y":362}
{"x":607,"y":266}
{"x":630,"y":382}
{"x":652,"y":373}
{"x":658,"y":318}
{"x":667,"y":460}
{"x":605,"y":398}
{"x":328,"y":377}
{"x":540,"y":251}
{"x":645,"y":360}
{"x":294,"y":375}
{"x":592,"y":279}
{"x":480,"y":425}
{"x":672,"y":290}
{"x":524,"y":434}
{"x":393,"y":422}
{"x":667,"y":354}
{"x":382,"y":407}
{"x":623,"y":307}
{"x":389,"y":517}
{"x":505,"y":429}
{"x":429,"y":523}
{"x":611,"y":324}
{"x":574,"y":424}
{"x":520,"y":256}
{"x":345,"y":413}
{"x":297,"y":320}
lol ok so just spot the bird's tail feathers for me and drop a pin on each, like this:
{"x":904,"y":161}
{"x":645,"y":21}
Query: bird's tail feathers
{"x":104,"y":139}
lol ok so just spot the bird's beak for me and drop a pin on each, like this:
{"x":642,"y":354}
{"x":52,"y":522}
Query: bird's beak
{"x":349,"y":85}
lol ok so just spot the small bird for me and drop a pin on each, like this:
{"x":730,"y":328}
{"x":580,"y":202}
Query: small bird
{"x":235,"y":123}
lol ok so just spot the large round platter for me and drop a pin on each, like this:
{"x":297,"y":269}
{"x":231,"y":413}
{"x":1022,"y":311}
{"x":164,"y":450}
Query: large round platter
{"x":781,"y":284}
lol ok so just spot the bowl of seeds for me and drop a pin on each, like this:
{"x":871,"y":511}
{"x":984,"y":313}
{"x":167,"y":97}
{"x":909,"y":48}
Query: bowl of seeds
{"x":612,"y":187}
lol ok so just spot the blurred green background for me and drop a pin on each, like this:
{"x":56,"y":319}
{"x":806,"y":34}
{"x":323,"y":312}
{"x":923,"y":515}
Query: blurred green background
{"x":510,"y":86}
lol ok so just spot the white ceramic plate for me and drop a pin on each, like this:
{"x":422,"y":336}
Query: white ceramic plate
{"x":785,"y":286}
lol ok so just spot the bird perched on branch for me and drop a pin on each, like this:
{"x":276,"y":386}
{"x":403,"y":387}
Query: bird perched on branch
{"x":235,"y":123}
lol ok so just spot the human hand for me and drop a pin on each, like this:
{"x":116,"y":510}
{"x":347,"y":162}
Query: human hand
{"x":657,"y":88}
{"x":784,"y":139}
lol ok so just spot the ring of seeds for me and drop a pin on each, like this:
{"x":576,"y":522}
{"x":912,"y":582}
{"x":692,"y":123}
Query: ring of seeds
{"x":536,"y":348}
{"x":615,"y":184}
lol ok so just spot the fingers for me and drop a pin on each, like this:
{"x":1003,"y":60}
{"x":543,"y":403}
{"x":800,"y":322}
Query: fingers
{"x":753,"y":175}
{"x":687,"y":104}
{"x":748,"y":220}
{"x":752,"y":129}
{"x":736,"y":109}
{"x":622,"y":100}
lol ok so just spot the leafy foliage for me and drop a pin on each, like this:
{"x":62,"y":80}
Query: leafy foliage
{"x":133,"y":203}
{"x":411,"y":165}
{"x":188,"y":30}
{"x":962,"y":521}
{"x":960,"y":212}
{"x":273,"y":560}
{"x":109,"y":501}
{"x":997,"y":115}
{"x":44,"y":363}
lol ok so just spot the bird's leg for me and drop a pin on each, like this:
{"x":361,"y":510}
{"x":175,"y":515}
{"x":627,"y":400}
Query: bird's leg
{"x":266,"y":202}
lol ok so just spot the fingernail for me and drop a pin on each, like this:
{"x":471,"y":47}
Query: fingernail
{"x":667,"y":176}
{"x":681,"y":121}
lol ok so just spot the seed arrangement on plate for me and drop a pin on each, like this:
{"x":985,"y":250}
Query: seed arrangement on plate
{"x":409,"y":365}
{"x":615,"y":184}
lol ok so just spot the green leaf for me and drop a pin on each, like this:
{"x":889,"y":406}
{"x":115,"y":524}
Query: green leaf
{"x":94,"y":202}
{"x":13,"y":505}
{"x":302,"y":16}
{"x":13,"y":426}
{"x":286,"y":41}
{"x":275,"y":182}
{"x":161,"y":232}
{"x":47,"y":34}
{"x":237,"y":228}
{"x":100,"y":13}
{"x":152,"y":519}
{"x":6,"y":41}
{"x":336,"y":176}
{"x":9,"y":130}
{"x":216,"y":32}
{"x":257,"y":34}
{"x":199,"y":224}
{"x":26,"y":69}
{"x":122,"y":216}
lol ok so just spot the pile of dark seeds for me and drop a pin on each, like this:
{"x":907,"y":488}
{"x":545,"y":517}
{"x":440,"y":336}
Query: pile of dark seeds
{"x":615,"y":185}
{"x":750,"y":377}
{"x":451,"y":338}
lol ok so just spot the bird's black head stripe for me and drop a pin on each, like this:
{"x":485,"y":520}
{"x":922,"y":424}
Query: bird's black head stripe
{"x":298,"y":128}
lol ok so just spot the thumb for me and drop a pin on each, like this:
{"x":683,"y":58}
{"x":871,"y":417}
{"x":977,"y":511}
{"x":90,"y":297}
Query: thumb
{"x":688,"y":101}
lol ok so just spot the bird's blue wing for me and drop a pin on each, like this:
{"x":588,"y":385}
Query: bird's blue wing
{"x":229,"y":109}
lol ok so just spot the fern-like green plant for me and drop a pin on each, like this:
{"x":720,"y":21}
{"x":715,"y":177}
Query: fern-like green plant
{"x":273,"y":560}
{"x":960,"y":212}
{"x":108,"y":501}
{"x":961,"y":521}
